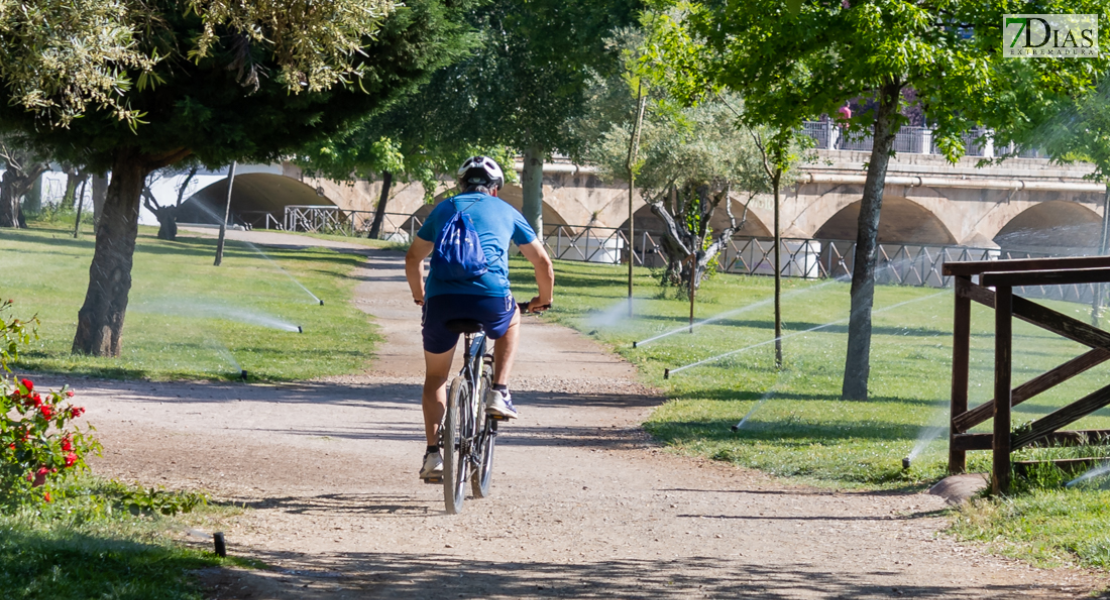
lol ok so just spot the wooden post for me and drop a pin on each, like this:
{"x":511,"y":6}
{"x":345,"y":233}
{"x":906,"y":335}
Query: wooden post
{"x":1003,"y":325}
{"x":961,"y":351}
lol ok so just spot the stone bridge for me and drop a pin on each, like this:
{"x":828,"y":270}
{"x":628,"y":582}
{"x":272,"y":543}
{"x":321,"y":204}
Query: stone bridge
{"x":1022,"y":203}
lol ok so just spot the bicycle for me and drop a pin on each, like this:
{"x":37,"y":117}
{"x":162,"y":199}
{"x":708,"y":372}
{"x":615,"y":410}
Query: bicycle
{"x":466,"y":438}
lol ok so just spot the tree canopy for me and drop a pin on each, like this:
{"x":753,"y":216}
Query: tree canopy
{"x":797,"y":60}
{"x":155,"y":81}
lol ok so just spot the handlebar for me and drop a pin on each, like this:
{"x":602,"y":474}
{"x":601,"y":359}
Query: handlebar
{"x":524,"y":308}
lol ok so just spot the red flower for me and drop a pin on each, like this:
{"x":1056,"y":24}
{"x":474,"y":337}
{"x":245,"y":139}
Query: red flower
{"x":75,"y":412}
{"x":27,"y":383}
{"x":43,"y":471}
{"x":67,"y":444}
{"x":47,"y":411}
{"x":36,"y":400}
{"x":12,"y":446}
{"x":30,"y":477}
{"x":71,"y":458}
{"x":69,"y":393}
{"x":46,"y":497}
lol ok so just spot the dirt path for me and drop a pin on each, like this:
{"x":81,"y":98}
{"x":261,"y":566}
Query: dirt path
{"x":584,"y":505}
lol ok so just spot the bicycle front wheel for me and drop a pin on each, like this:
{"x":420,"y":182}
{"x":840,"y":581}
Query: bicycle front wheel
{"x":456,"y":465}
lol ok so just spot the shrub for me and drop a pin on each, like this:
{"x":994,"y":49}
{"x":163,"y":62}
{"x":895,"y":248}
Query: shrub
{"x":38,"y":443}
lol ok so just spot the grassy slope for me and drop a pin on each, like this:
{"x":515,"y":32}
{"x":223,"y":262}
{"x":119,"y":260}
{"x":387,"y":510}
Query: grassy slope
{"x":803,"y":429}
{"x":187,"y":319}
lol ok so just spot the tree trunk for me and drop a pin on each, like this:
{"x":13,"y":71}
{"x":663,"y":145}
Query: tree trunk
{"x":9,"y":201}
{"x":100,"y":320}
{"x":73,"y":179}
{"x":531,"y":183}
{"x":80,"y":207}
{"x":99,"y":196}
{"x":227,"y":213}
{"x":13,"y":185}
{"x":857,"y":365}
{"x":379,"y":210}
{"x":775,"y":183}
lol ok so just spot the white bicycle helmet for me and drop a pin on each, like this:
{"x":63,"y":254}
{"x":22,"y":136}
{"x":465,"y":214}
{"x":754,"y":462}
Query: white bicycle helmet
{"x":481,"y":170}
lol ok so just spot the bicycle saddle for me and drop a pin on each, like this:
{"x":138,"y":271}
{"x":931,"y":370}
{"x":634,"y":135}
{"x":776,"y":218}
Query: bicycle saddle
{"x":463,"y":326}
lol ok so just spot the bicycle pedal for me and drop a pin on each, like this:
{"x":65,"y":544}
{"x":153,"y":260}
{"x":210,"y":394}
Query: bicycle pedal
{"x":433,"y":480}
{"x":497,"y":417}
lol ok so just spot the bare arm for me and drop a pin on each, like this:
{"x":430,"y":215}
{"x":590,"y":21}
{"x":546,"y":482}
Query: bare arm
{"x":414,"y":267}
{"x":545,"y":273}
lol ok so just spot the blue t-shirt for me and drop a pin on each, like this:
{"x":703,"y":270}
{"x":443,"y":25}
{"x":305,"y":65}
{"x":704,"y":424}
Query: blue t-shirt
{"x":497,"y":223}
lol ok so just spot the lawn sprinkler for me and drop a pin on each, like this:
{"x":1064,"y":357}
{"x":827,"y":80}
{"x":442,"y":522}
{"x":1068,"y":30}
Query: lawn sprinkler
{"x":321,"y":303}
{"x":906,"y":464}
{"x":243,"y":374}
{"x":735,"y":427}
{"x":634,"y":344}
{"x":666,"y":373}
{"x":300,"y":329}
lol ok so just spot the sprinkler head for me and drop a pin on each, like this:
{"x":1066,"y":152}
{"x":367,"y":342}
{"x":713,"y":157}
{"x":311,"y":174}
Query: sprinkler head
{"x":300,"y":329}
{"x":243,"y":374}
{"x":321,"y":303}
{"x":666,"y":373}
{"x":634,"y":344}
{"x":906,"y":464}
{"x":735,"y":428}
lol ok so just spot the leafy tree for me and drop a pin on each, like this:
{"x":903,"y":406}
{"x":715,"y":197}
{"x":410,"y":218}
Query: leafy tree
{"x":167,"y":215}
{"x":526,"y":81}
{"x":792,"y":60}
{"x":157,"y":81}
{"x":22,"y":168}
{"x":692,"y":161}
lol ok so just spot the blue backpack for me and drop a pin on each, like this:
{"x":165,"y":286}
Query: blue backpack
{"x":458,"y":253}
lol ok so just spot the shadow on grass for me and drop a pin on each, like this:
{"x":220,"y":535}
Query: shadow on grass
{"x":66,"y":564}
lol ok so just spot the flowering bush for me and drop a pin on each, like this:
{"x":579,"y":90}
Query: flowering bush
{"x":37,"y":443}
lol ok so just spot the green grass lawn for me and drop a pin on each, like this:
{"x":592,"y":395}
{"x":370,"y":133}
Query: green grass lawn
{"x":187,"y":319}
{"x":76,"y":548}
{"x":797,"y":424}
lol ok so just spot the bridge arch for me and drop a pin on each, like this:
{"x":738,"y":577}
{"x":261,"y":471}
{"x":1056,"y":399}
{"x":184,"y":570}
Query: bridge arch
{"x":902,"y":221}
{"x":551,"y":217}
{"x":1056,"y":226}
{"x":252,"y":194}
{"x":646,"y":220}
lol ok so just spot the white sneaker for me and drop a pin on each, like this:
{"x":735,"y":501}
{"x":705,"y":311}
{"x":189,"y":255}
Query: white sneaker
{"x":500,"y":404}
{"x":433,"y":466}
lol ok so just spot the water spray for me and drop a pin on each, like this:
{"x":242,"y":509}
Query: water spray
{"x":891,"y":265}
{"x":797,"y":333}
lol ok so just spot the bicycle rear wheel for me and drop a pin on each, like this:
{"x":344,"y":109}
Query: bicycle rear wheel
{"x":483,"y":474}
{"x":456,"y":465}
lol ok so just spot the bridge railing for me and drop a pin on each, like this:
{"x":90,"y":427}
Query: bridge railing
{"x":910,"y":140}
{"x":898,"y":264}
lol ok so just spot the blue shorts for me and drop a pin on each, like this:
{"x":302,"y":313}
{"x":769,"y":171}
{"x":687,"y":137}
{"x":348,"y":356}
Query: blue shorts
{"x":492,"y":312}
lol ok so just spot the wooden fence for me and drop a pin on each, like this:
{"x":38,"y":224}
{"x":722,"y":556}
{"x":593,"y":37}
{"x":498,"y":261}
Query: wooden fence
{"x":1004,"y":276}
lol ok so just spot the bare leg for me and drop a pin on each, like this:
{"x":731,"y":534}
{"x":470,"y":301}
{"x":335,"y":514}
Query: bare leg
{"x":504,"y":352}
{"x":434,"y":399}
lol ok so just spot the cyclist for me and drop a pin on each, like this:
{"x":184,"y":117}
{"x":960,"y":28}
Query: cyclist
{"x":486,"y":298}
